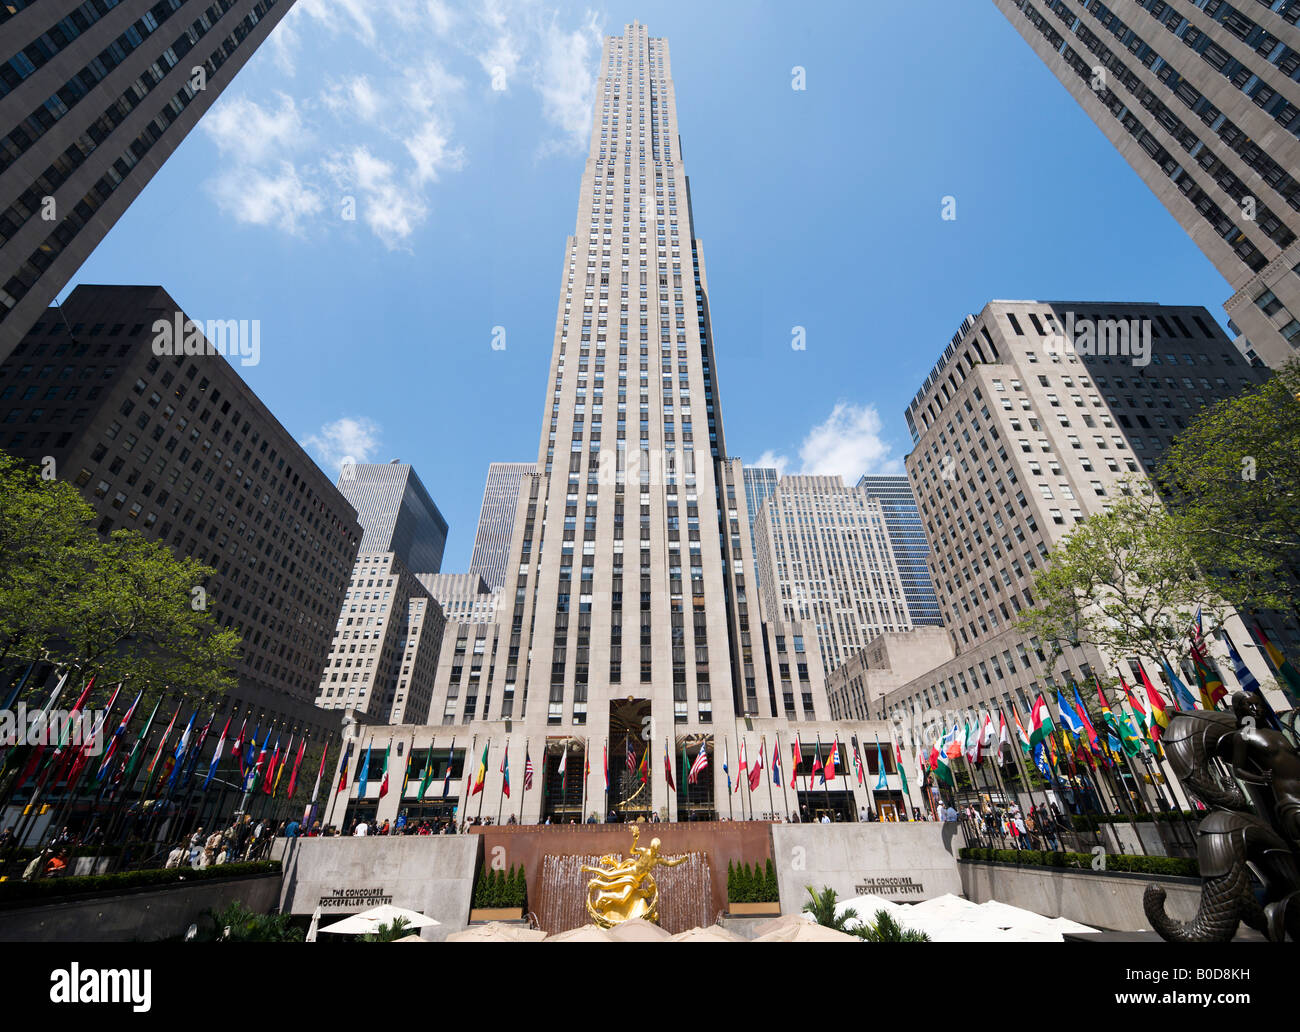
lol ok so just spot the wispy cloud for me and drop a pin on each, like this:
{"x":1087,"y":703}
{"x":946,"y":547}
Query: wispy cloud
{"x":349,"y":439}
{"x":384,"y":130}
{"x":847,"y":444}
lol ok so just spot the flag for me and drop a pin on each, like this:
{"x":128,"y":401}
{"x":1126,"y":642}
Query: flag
{"x":1021,"y":737}
{"x":604,"y":762}
{"x":972,"y":742}
{"x":320,"y":773}
{"x":42,"y":720}
{"x":1040,"y":761}
{"x":1183,"y":698}
{"x":902,"y":774}
{"x":1069,"y":719}
{"x":563,"y":768}
{"x":117,"y":737}
{"x":505,"y":771}
{"x":268,"y":779}
{"x":364,"y":777}
{"x":528,"y":769}
{"x":796,"y":758}
{"x":828,"y":770}
{"x":1158,"y":718}
{"x":740,"y":774}
{"x":942,"y":765}
{"x":1040,"y":721}
{"x":643,"y":768}
{"x":668,"y":768}
{"x":82,"y":756}
{"x":881,"y":781}
{"x":1140,"y":714}
{"x":988,"y":734}
{"x":197,"y":750}
{"x":756,"y":771}
{"x":1004,"y":734}
{"x":1246,"y":679}
{"x":817,"y":764}
{"x":297,"y":762}
{"x":954,"y":742}
{"x":446,"y":777}
{"x":427,"y":776}
{"x":343,"y":764}
{"x":857,"y":761}
{"x":776,"y":761}
{"x":481,"y":775}
{"x":216,"y":753}
{"x":726,"y":756}
{"x":284,"y":762}
{"x":1290,"y":679}
{"x":237,"y":750}
{"x":250,"y":756}
{"x":631,"y":759}
{"x":586,"y":762}
{"x":1082,"y":710}
{"x":1209,"y":684}
{"x":162,"y":744}
{"x":700,"y":764}
{"x":1115,"y":734}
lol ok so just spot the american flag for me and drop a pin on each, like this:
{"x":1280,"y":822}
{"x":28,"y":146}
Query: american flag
{"x":701,"y":761}
{"x":631,"y":760}
{"x":528,"y":771}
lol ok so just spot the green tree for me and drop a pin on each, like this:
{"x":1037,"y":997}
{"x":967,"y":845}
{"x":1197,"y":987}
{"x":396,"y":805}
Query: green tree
{"x":822,"y":907}
{"x":1233,"y":476}
{"x":772,"y":892}
{"x":388,"y":932}
{"x":124,"y":606}
{"x":1123,"y":581}
{"x":236,"y":923}
{"x":732,"y":896}
{"x":886,"y":929}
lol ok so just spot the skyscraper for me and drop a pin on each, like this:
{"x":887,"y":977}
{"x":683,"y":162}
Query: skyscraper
{"x":94,"y":97}
{"x":760,"y":481}
{"x":825,"y":556}
{"x":911,"y":550}
{"x":396,"y":513}
{"x":496,"y":521}
{"x":1202,"y":98}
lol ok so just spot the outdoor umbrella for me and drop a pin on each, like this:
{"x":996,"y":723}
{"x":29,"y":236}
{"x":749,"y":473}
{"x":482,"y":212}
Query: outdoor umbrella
{"x":370,"y":920}
{"x":714,"y":933}
{"x":496,"y":931}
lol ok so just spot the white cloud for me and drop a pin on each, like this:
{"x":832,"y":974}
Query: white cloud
{"x":847,"y":444}
{"x":277,"y":198}
{"x":566,"y":78}
{"x":428,"y":147}
{"x":354,"y":439}
{"x":356,"y":97}
{"x":249,"y":133}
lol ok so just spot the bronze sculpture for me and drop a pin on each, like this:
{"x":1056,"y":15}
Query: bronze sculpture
{"x":626,"y":889}
{"x":1253,"y":824}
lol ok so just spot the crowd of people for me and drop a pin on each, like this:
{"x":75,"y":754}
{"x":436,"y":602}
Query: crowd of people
{"x":1039,"y":827}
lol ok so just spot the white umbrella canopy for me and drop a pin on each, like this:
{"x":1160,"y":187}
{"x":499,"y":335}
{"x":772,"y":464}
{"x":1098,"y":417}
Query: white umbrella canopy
{"x":714,"y":933}
{"x":638,"y":930}
{"x":587,"y":933}
{"x":369,"y":920}
{"x":806,"y":931}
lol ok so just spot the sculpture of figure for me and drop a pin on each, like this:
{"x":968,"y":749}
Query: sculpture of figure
{"x":1254,"y":823}
{"x":626,"y":889}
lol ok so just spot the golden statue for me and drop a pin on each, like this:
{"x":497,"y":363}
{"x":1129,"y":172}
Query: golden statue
{"x":625,"y":889}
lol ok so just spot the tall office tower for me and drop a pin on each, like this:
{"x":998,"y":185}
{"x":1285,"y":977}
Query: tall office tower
{"x":94,"y":96}
{"x":1202,"y":98}
{"x":760,"y":481}
{"x":463,"y":596}
{"x":385,"y":647}
{"x":496,"y":521}
{"x":825,"y":556}
{"x":1017,"y":439}
{"x":396,"y":513}
{"x":182,"y":450}
{"x":629,"y":625}
{"x":911,"y":550}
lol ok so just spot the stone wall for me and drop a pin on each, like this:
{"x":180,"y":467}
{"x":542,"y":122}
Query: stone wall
{"x":906,"y":862}
{"x":136,"y":915}
{"x":1109,"y":901}
{"x":430,"y":874}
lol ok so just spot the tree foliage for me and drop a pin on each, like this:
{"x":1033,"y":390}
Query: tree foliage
{"x":1233,"y":476}
{"x":122,"y":605}
{"x":822,"y":907}
{"x":886,"y":929}
{"x":1124,"y":581}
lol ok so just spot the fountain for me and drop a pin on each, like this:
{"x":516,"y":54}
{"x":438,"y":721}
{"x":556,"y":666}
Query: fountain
{"x":685,"y":893}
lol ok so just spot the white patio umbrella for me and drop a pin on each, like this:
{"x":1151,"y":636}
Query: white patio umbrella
{"x":313,"y":928}
{"x":370,"y":920}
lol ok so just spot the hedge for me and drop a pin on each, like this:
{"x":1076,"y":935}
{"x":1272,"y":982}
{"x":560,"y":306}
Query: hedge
{"x":501,"y":889}
{"x":1125,"y":862}
{"x":106,"y":884}
{"x":747,"y":884}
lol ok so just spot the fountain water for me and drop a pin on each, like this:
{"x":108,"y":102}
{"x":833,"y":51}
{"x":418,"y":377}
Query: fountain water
{"x":685,"y":893}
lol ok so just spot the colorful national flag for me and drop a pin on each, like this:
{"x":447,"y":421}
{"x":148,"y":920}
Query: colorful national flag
{"x":343,"y":764}
{"x":1158,"y":716}
{"x":1088,"y":728}
{"x":857,"y":761}
{"x":828,"y":769}
{"x":817,"y":764}
{"x":776,"y":761}
{"x":700,"y":764}
{"x":320,"y":773}
{"x":881,"y":782}
{"x":505,"y":771}
{"x":363,"y":777}
{"x":1290,"y":679}
{"x":297,"y":762}
{"x":117,"y":737}
{"x":446,"y":777}
{"x":426,"y":777}
{"x":1021,"y":737}
{"x":1041,"y":725}
{"x":528,"y":769}
{"x":902,"y":775}
{"x":216,"y":754}
{"x":481,"y":775}
{"x":668,"y":768}
{"x":643,"y":768}
{"x":1183,"y":698}
{"x":756,"y":769}
{"x":1245,"y":678}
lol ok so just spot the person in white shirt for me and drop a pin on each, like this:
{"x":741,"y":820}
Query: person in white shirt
{"x":826,"y":818}
{"x":362,"y":829}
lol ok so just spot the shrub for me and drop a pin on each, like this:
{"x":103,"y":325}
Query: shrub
{"x":236,"y":923}
{"x":1168,"y":865}
{"x":107,"y":884}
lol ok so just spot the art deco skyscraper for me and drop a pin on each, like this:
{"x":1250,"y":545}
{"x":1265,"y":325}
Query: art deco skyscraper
{"x":94,"y":97}
{"x":1202,"y":98}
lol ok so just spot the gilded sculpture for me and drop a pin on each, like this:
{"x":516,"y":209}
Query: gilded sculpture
{"x":624,"y":889}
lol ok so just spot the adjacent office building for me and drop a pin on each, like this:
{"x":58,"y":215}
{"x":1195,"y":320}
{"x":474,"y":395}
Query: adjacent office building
{"x":396,"y":513}
{"x":496,"y":521}
{"x":760,"y":481}
{"x":94,"y":96}
{"x":180,"y":449}
{"x":907,"y":538}
{"x":825,"y":555}
{"x":1018,"y":439}
{"x":1202,"y":98}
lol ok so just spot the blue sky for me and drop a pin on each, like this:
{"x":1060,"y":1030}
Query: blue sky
{"x":818,"y":208}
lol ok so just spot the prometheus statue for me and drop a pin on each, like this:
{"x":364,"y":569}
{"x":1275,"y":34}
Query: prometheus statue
{"x":625,"y":889}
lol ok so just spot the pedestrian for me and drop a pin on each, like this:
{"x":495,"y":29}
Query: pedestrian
{"x":362,"y":829}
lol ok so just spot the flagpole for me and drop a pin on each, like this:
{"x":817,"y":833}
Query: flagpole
{"x":564,"y":780}
{"x":771,"y":802}
{"x":731,"y":811}
{"x":586,"y":773}
{"x":604,"y":758}
{"x":826,"y":785}
{"x":523,"y":785}
{"x":487,"y":753}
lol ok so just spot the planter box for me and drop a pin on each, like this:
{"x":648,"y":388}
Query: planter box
{"x":496,"y":914}
{"x":754,"y":909}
